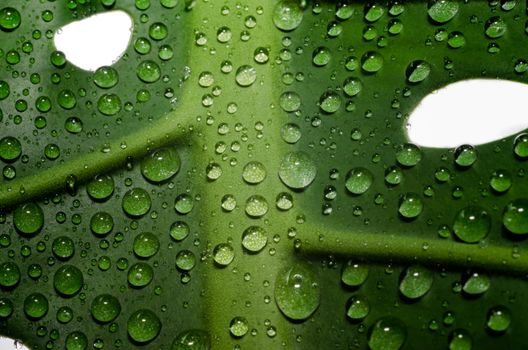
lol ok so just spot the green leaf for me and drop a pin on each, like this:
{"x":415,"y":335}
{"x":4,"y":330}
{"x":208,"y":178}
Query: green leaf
{"x":256,"y":189}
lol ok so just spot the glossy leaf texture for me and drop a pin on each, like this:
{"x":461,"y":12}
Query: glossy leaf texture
{"x":240,"y":178}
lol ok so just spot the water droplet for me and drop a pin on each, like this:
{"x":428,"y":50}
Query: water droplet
{"x":460,"y":339}
{"x":194,"y":339}
{"x":495,"y":27}
{"x":287,"y":14}
{"x":28,"y":218}
{"x":68,"y":280}
{"x":501,"y":180}
{"x":442,"y":11}
{"x":387,"y":333}
{"x":515,"y":216}
{"x":254,"y":172}
{"x":10,"y":148}
{"x":185,"y":260}
{"x":371,"y":62}
{"x":499,"y":318}
{"x":158,"y":31}
{"x":297,"y":170}
{"x":36,"y":306}
{"x":291,"y":133}
{"x":106,"y":77}
{"x":73,"y":125}
{"x":256,"y":206}
{"x":358,"y":180}
{"x":76,"y":341}
{"x":223,"y":34}
{"x":223,"y":254}
{"x":284,"y":201}
{"x":101,"y":187}
{"x":418,"y":71}
{"x":330,"y":101}
{"x":179,"y":230}
{"x":416,"y":282}
{"x":101,"y":223}
{"x":238,"y":327}
{"x":290,"y":101}
{"x":143,"y":326}
{"x":358,"y":307}
{"x":140,"y":274}
{"x":254,"y":239}
{"x":105,"y":308}
{"x":146,"y":244}
{"x":411,"y":205}
{"x":9,"y":274}
{"x":476,"y":283}
{"x":352,"y":86}
{"x":465,"y":155}
{"x":63,"y":247}
{"x":409,"y":155}
{"x":246,"y":75}
{"x":161,"y":165}
{"x":136,"y":202}
{"x":148,"y":71}
{"x":10,"y":19}
{"x":321,"y":56}
{"x":183,"y":204}
{"x":297,"y":292}
{"x":472,"y":224}
{"x":109,"y":104}
{"x":520,"y":147}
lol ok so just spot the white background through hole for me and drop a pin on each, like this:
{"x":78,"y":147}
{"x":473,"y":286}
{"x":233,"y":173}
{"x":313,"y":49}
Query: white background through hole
{"x":472,"y":111}
{"x":469,"y":112}
{"x":96,"y":41}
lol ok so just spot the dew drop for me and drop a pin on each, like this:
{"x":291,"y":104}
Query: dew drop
{"x":136,"y":202}
{"x":161,"y":165}
{"x":287,"y":15}
{"x":254,"y":239}
{"x":105,"y":308}
{"x":297,"y":170}
{"x":28,"y":218}
{"x":472,"y":224}
{"x":515,"y":216}
{"x":68,"y":280}
{"x":358,"y":180}
{"x":416,"y":282}
{"x":387,"y":333}
{"x":246,"y":75}
{"x":143,"y":326}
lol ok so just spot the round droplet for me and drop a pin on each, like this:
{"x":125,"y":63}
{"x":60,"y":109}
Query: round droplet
{"x":106,"y":77}
{"x":411,"y":205}
{"x":185,"y":260}
{"x":228,"y":202}
{"x":179,"y":230}
{"x":495,"y":27}
{"x":297,"y":170}
{"x":442,"y":11}
{"x":284,"y":201}
{"x":183,"y":204}
{"x":290,"y":101}
{"x":465,"y":155}
{"x":418,"y":71}
{"x":499,"y":318}
{"x":76,"y":341}
{"x":6,"y":308}
{"x":416,"y":282}
{"x":136,"y":202}
{"x":223,"y":34}
{"x":287,"y":15}
{"x":321,"y":56}
{"x":9,"y":274}
{"x":51,"y":151}
{"x":254,"y":172}
{"x":161,"y":165}
{"x":358,"y":180}
{"x":476,"y":283}
{"x":206,"y":79}
{"x":10,"y":19}
{"x":409,"y":155}
{"x":194,"y":339}
{"x":109,"y":104}
{"x":36,"y":306}
{"x":291,"y":133}
{"x":460,"y":339}
{"x":501,"y":180}
{"x":297,"y":292}
{"x":101,"y":187}
{"x":256,"y":206}
{"x":68,"y":280}
{"x":66,"y":99}
{"x":238,"y":327}
{"x":158,"y":31}
{"x":254,"y":239}
{"x":388,"y":333}
{"x":358,"y":308}
{"x":143,"y":326}
{"x":223,"y":254}
{"x":371,"y":62}
{"x":515,"y":216}
{"x":101,"y":223}
{"x":246,"y":75}
{"x":140,"y":274}
{"x":63,"y":247}
{"x":352,"y":86}
{"x":105,"y":308}
{"x":148,"y":71}
{"x":28,"y":218}
{"x":10,"y":148}
{"x":354,"y":274}
{"x":520,"y":146}
{"x":330,"y":101}
{"x":73,"y":125}
{"x":472,"y":224}
{"x":146,"y":244}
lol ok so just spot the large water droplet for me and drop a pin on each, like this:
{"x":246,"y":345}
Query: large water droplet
{"x":194,"y":339}
{"x":416,"y":282}
{"x":297,"y":170}
{"x":388,"y":333}
{"x":359,"y":180}
{"x":472,"y":224}
{"x":297,"y":292}
{"x":143,"y":326}
{"x":136,"y":202}
{"x":68,"y":280}
{"x":161,"y":165}
{"x":515,"y":216}
{"x":499,"y":318}
{"x":28,"y":218}
{"x":105,"y":308}
{"x":442,"y":11}
{"x":254,"y":239}
{"x":287,"y":14}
